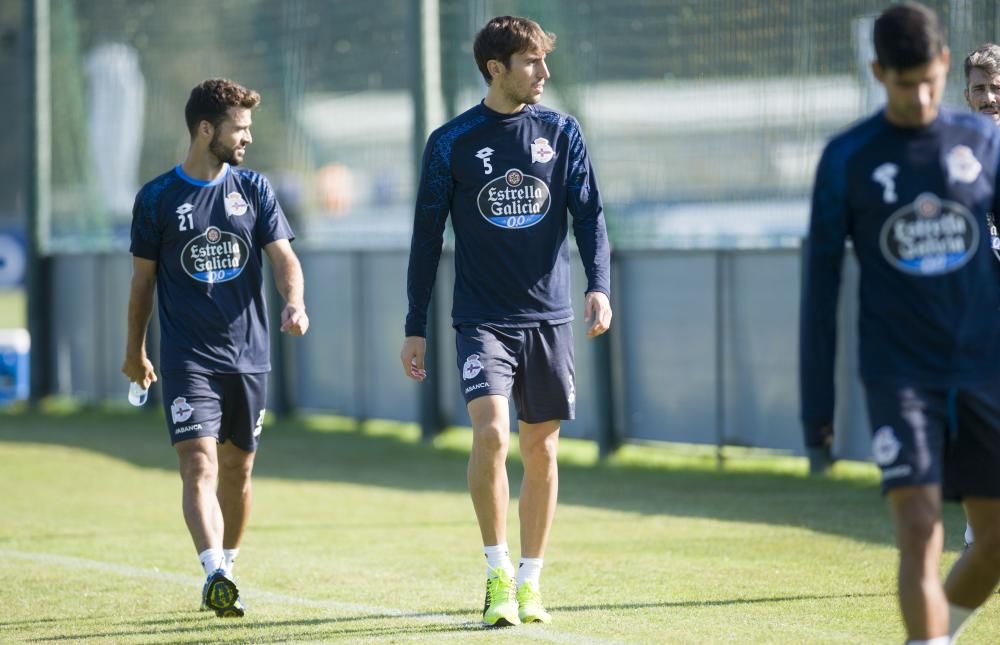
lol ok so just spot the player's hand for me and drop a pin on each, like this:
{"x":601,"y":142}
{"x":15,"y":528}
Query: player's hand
{"x":294,"y":320}
{"x":139,"y":370}
{"x":597,"y":308}
{"x":412,"y":357}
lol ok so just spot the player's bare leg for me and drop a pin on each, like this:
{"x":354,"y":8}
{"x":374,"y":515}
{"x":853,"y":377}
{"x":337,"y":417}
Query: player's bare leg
{"x":490,"y":493}
{"x":539,"y":490}
{"x":199,"y":469}
{"x":916,"y":513}
{"x":540,"y":486}
{"x":235,"y":492}
{"x":975,"y":575}
{"x":487,"y":471}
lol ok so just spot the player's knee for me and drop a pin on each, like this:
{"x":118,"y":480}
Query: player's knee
{"x":236,"y":471}
{"x":543,"y":450}
{"x":987,"y":542}
{"x":915,"y":531}
{"x":198,"y":468}
{"x":491,"y":437}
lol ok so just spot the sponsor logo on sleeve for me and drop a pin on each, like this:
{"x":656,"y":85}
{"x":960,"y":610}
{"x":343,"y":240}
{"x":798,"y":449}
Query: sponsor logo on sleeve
{"x":215,"y":256}
{"x":929,"y":237}
{"x":472,"y":367}
{"x":180,"y":410}
{"x":235,"y":204}
{"x":515,"y":200}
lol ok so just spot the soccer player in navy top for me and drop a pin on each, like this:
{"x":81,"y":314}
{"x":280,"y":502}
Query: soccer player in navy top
{"x":982,"y":93}
{"x":507,"y":171}
{"x":911,"y":187}
{"x":197,"y":235}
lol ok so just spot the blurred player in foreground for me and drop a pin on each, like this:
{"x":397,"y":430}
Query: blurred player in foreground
{"x":911,"y":187}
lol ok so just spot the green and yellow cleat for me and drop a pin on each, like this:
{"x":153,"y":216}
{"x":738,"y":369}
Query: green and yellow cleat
{"x":500,"y":608}
{"x":529,"y":602}
{"x":235,"y":610}
{"x":221,"y":596}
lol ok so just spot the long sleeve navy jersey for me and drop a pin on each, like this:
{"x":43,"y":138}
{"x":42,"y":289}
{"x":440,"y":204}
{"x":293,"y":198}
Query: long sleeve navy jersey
{"x":915,"y":204}
{"x":206,"y":238}
{"x":507,"y":180}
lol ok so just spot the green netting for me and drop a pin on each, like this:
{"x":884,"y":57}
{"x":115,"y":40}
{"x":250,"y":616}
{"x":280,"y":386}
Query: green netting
{"x":694,"y":110}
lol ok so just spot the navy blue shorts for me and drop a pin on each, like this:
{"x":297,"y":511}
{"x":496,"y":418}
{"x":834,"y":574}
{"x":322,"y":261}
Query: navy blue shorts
{"x":533,"y":365}
{"x":947,"y":436}
{"x":229,"y":407}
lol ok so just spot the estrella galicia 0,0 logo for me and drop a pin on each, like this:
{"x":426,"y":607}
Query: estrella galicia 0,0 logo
{"x":215,"y":256}
{"x":515,"y":200}
{"x":931,"y":236}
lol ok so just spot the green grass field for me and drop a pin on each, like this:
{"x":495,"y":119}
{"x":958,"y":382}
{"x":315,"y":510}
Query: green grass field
{"x":367,"y":535}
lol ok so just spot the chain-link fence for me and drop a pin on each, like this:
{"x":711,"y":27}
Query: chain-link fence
{"x":704,"y":117}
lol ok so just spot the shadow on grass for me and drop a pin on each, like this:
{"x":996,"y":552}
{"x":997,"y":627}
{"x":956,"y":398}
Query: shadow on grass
{"x":180,"y":624}
{"x":294,"y":450}
{"x":225,"y":630}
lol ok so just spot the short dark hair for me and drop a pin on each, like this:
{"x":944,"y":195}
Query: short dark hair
{"x":907,"y":35}
{"x":211,"y":99}
{"x":985,"y":57}
{"x":504,"y":36}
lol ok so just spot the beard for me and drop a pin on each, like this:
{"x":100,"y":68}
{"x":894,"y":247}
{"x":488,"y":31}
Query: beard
{"x":519,"y":96}
{"x":222,"y":153}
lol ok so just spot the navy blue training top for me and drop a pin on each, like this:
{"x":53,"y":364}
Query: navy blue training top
{"x":915,"y":204}
{"x":206,"y":238}
{"x":507,"y":180}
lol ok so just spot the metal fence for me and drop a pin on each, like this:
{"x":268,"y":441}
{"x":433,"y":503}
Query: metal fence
{"x":703,"y":345}
{"x":704,"y":119}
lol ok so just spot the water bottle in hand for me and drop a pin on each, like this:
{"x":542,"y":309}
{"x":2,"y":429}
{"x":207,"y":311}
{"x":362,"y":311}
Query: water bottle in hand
{"x":136,"y":395}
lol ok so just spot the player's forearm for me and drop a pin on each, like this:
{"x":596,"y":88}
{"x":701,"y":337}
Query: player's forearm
{"x":592,"y":242}
{"x":289,"y":280}
{"x":818,"y":334}
{"x":596,"y":256}
{"x":140,"y":309}
{"x":420,"y":278}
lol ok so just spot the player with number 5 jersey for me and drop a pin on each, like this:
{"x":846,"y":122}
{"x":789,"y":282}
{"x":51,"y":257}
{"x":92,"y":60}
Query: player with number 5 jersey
{"x":508,"y":171}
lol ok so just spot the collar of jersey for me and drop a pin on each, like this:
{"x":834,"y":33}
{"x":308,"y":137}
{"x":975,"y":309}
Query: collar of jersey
{"x":528,"y":109}
{"x":942,"y":115}
{"x":198,"y":182}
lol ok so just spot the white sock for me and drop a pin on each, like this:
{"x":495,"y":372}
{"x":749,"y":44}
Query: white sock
{"x":969,"y":537}
{"x":957,"y":615}
{"x":230,"y":559}
{"x":529,"y":569}
{"x":498,"y":557}
{"x":211,"y":559}
{"x":940,"y":640}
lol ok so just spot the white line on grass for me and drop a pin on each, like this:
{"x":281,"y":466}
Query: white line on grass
{"x":277,"y":598}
